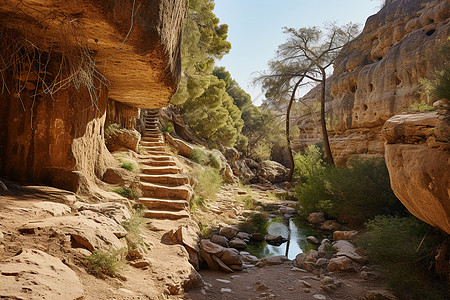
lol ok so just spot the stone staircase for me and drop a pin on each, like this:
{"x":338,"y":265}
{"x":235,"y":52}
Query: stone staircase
{"x":166,"y":192}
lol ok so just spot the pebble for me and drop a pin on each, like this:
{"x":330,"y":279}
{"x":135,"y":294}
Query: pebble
{"x":307,"y":290}
{"x":305,"y":283}
{"x":319,"y":297}
{"x":298,"y":270}
{"x":310,"y":277}
{"x":327,"y":280}
{"x":225,"y":290}
{"x":234,"y":276}
{"x":223,"y":280}
{"x":312,"y":239}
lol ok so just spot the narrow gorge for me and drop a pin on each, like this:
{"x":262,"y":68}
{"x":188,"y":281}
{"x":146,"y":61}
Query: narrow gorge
{"x":134,"y":166}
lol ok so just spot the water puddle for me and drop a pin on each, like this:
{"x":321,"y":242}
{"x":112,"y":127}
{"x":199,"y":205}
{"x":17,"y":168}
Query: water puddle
{"x":294,"y":229}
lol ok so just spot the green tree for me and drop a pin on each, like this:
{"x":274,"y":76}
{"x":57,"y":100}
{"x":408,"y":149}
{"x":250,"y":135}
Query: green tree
{"x":306,"y":55}
{"x":204,"y":40}
{"x":203,"y":99}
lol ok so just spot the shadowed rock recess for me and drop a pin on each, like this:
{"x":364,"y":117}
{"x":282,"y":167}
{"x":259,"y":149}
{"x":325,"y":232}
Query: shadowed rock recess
{"x":65,"y":64}
{"x":397,"y":42}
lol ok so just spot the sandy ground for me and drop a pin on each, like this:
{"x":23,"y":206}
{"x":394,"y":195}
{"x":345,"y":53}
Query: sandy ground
{"x":168,"y":262}
{"x":278,"y":282}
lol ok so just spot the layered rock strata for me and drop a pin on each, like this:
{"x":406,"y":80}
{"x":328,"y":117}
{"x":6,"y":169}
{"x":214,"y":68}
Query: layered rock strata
{"x":61,"y":62}
{"x":376,"y":76}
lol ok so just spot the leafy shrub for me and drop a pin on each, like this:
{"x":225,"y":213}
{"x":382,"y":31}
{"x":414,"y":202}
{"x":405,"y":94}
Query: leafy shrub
{"x":199,"y":156}
{"x":256,"y":222}
{"x":248,"y":201}
{"x":441,"y":84}
{"x":126,"y":192}
{"x":106,"y":262}
{"x":420,"y":107}
{"x":132,"y":226}
{"x":214,"y":161}
{"x":308,"y":163}
{"x":203,"y":158}
{"x":209,"y":182}
{"x":352,"y":195}
{"x":393,"y":243}
{"x":167,"y":127}
{"x":129,"y":164}
{"x":111,"y":129}
{"x":438,"y":84}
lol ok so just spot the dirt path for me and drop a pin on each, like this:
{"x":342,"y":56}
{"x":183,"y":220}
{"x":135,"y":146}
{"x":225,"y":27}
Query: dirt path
{"x":282,"y":281}
{"x":279,"y":282}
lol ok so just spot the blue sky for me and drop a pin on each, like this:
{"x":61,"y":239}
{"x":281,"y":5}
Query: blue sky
{"x":255,"y":29}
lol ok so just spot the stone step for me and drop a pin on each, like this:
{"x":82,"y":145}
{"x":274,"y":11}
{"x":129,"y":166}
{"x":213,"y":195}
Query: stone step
{"x":150,"y":132}
{"x":152,"y":136}
{"x":156,"y":153}
{"x":151,"y":126}
{"x":154,"y":148}
{"x":160,"y":170}
{"x":165,"y":204}
{"x":155,"y":157}
{"x":152,"y":144}
{"x":156,"y":139}
{"x":161,"y":214}
{"x":166,"y":192}
{"x":166,"y":179}
{"x":158,"y":163}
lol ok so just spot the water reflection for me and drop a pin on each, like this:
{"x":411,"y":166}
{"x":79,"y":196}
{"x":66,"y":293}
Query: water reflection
{"x":296,"y":244}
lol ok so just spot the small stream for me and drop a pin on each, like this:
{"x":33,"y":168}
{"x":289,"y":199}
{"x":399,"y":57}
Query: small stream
{"x":294,"y":229}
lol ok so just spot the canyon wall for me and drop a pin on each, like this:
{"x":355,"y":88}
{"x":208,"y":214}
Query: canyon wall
{"x":376,"y":76}
{"x":418,"y":160}
{"x":64,"y":65}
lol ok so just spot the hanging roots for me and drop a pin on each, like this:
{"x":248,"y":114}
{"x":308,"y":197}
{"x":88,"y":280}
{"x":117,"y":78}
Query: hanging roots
{"x":44,"y":52}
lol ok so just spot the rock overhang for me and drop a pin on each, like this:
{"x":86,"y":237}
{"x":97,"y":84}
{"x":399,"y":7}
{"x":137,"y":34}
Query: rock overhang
{"x":135,"y":44}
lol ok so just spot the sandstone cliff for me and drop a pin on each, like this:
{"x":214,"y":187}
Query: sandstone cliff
{"x":61,"y":62}
{"x":376,"y":76}
{"x":418,"y":160}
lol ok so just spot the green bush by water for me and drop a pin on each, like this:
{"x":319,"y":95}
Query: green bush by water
{"x":393,"y":243}
{"x":351,"y":195}
{"x":256,"y":222}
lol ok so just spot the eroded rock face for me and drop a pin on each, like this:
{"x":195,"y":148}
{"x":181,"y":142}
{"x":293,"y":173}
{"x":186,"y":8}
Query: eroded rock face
{"x":52,"y":133}
{"x":34,"y":274}
{"x":418,"y":161}
{"x":90,"y":230}
{"x":377,"y":75}
{"x":123,"y":140}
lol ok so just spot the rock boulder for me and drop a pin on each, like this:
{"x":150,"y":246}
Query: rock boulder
{"x":272,"y":171}
{"x":34,"y":274}
{"x":417,"y":158}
